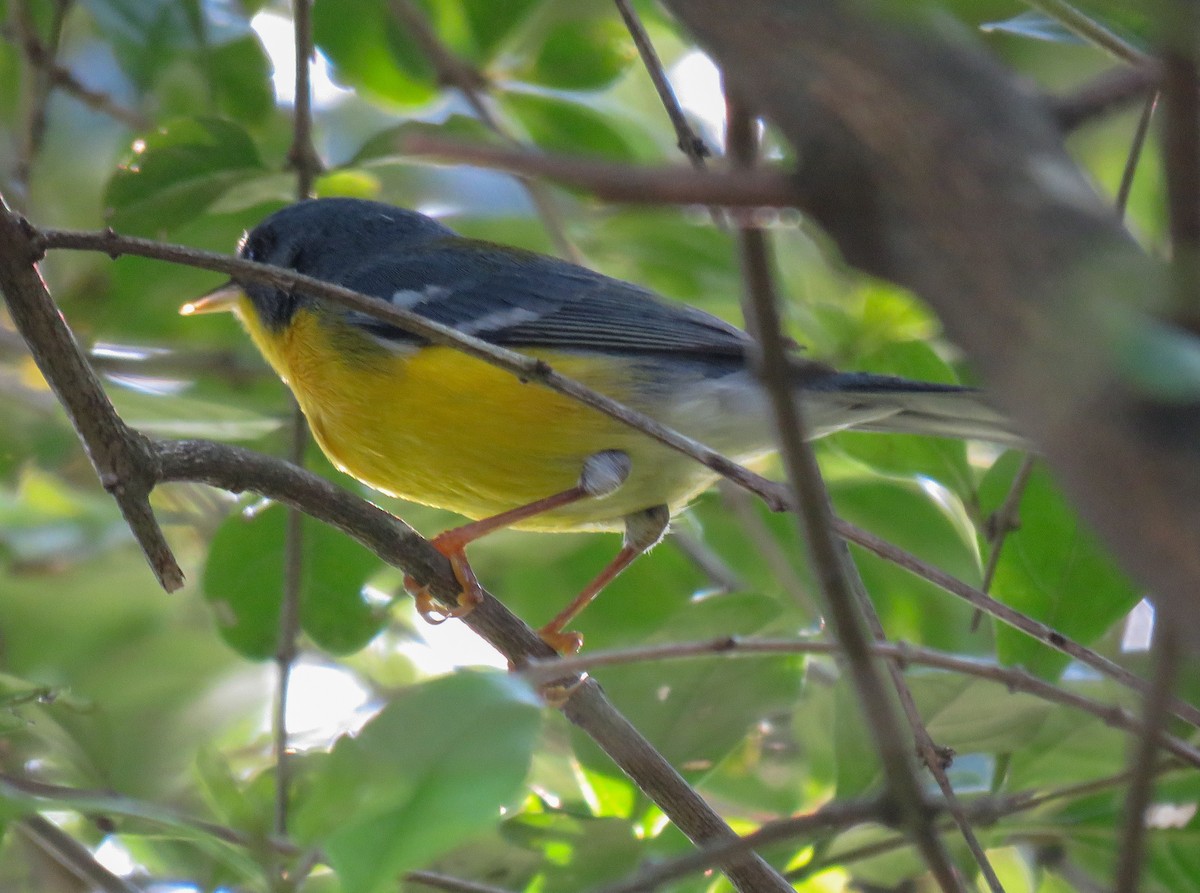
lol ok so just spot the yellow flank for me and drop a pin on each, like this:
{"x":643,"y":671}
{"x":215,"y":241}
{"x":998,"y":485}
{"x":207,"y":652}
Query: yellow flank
{"x":435,"y":426}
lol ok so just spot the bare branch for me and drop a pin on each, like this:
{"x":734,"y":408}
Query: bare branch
{"x":458,"y":73}
{"x":1044,"y":633}
{"x":117,"y":452}
{"x":835,"y":571}
{"x":760,"y":188}
{"x":72,"y":856}
{"x":1093,"y":32}
{"x":1168,"y":656}
{"x":690,"y":142}
{"x":1029,"y":270}
{"x":239,"y":470}
{"x":900,"y":654}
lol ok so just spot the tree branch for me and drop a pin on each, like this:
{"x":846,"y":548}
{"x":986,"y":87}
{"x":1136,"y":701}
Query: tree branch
{"x":238,"y":470}
{"x":118,"y":453}
{"x":760,"y":188}
{"x":1029,"y":270}
{"x":900,"y":654}
{"x":455,"y":72}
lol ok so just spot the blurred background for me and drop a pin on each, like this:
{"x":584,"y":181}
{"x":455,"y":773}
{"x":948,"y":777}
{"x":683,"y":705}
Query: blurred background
{"x":172,"y":120}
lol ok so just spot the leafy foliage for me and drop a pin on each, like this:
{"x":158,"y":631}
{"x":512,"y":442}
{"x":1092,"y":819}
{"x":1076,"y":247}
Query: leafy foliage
{"x":160,"y":703}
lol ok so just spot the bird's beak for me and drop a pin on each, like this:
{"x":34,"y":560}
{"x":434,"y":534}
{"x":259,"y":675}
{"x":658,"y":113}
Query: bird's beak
{"x":222,"y":299}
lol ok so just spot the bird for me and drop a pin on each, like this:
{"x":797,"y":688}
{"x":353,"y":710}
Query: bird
{"x":432,"y":425}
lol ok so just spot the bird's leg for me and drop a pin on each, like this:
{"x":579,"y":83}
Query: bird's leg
{"x":603,"y":473}
{"x":643,"y":530}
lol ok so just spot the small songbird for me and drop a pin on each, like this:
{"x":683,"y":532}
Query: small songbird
{"x":433,"y":425}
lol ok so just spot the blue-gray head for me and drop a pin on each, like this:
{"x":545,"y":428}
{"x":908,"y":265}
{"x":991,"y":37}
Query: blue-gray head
{"x":327,"y":238}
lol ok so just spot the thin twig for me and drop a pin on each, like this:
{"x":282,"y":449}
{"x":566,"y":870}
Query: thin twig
{"x":759,"y":188}
{"x":62,"y":78}
{"x":44,"y":794}
{"x":73,"y":856}
{"x":1015,"y":803}
{"x":1168,"y":654}
{"x":303,"y":158}
{"x":456,"y":72}
{"x":935,"y":758}
{"x":450,"y":884}
{"x":1092,"y":31}
{"x":690,"y":143}
{"x":36,"y":84}
{"x":835,"y":571}
{"x":393,"y":541}
{"x":899,"y":653}
{"x":1135,"y":153}
{"x":1107,"y":92}
{"x":1003,"y":521}
{"x":837,"y":816}
{"x":1042,"y":632}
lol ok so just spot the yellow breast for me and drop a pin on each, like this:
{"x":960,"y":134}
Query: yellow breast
{"x":435,"y":426}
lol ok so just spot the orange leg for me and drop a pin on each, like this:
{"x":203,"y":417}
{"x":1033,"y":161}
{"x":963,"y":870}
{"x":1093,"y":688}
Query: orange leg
{"x":643,"y":530}
{"x":453,"y":544}
{"x":603,"y":473}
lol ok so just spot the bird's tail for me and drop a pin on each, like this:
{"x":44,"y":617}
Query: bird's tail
{"x":864,"y":402}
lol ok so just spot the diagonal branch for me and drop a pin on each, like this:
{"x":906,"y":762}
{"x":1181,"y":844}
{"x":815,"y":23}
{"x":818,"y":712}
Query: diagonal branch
{"x":118,"y":453}
{"x":690,"y":142}
{"x":239,"y":470}
{"x":773,"y":494}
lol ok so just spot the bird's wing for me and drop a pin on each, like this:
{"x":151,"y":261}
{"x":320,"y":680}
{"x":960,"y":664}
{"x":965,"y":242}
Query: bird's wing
{"x":519,"y":299}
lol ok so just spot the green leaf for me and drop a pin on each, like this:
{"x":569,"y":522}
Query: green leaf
{"x":370,"y":51}
{"x":490,"y":23}
{"x":146,"y":34}
{"x":1052,"y":568}
{"x":582,"y":54}
{"x":1066,"y":748}
{"x":176,"y":173}
{"x":243,"y":580}
{"x":559,"y":124}
{"x":697,"y":711}
{"x":241,"y":79}
{"x":179,"y":417}
{"x":942,"y":458}
{"x":975,"y":715}
{"x":432,"y":769}
{"x":389,"y":143}
{"x":933,"y":526}
{"x":578,"y":852}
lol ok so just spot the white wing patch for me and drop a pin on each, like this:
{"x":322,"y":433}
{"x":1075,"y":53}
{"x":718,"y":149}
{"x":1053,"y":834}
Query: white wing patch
{"x":407,"y":298}
{"x":501,"y":319}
